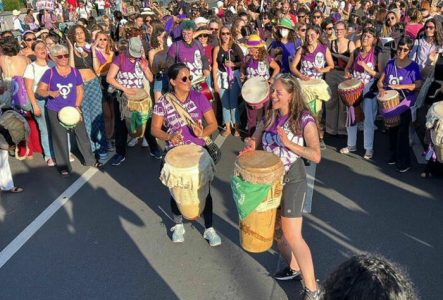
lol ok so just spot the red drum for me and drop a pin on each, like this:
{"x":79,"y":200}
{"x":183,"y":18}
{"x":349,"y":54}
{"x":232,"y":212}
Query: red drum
{"x":255,"y":92}
{"x":201,"y":86}
{"x":350,"y":91}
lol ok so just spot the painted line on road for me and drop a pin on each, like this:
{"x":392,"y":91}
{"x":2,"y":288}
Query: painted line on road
{"x":38,"y":222}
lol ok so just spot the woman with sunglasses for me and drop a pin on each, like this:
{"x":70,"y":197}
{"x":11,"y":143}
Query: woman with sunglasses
{"x":227,"y":59}
{"x":364,"y":65}
{"x":203,"y":37}
{"x":102,"y":55}
{"x":390,"y":21}
{"x":427,"y":48}
{"x":32,"y":76}
{"x":403,"y":75}
{"x":341,"y":50}
{"x":328,"y":34}
{"x":62,"y":86}
{"x":82,"y":58}
{"x":289,"y":126}
{"x":29,"y":38}
{"x":257,"y":64}
{"x":157,"y":57}
{"x":168,"y":125}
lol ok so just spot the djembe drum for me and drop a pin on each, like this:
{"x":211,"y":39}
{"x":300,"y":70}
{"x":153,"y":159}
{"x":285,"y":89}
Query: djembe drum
{"x":257,"y":173}
{"x":69,"y":117}
{"x":390,"y":100}
{"x":255,"y":92}
{"x":315,"y":91}
{"x":188,"y":172}
{"x":135,"y":110}
{"x":434,"y":122}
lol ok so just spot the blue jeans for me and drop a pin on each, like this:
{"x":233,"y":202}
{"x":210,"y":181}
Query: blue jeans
{"x":42,"y":123}
{"x":229,"y":100}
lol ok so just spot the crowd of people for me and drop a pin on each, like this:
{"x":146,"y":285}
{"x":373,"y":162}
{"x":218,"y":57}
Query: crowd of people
{"x":95,"y":56}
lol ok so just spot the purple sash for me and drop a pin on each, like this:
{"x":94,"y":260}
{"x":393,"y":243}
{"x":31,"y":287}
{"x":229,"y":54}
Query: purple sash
{"x":404,"y":105}
{"x":100,"y":57}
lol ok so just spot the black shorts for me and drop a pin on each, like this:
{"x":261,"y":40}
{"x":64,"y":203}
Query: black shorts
{"x":294,"y":191}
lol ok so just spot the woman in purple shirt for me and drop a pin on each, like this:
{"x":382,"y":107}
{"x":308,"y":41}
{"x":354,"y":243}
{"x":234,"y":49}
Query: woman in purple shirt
{"x":169,"y":126}
{"x":403,"y":75}
{"x":62,"y":85}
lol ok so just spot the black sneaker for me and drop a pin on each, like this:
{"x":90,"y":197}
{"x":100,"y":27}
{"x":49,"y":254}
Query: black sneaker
{"x":391,"y":161}
{"x":287,"y":274}
{"x":156,"y":153}
{"x":313,"y":295}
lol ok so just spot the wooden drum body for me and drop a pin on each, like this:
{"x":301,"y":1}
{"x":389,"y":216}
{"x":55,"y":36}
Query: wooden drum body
{"x":255,"y":92}
{"x":188,"y":172}
{"x":350,"y":91}
{"x":389,"y":101}
{"x":257,"y":229}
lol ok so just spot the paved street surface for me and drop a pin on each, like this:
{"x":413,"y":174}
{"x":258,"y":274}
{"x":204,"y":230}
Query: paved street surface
{"x":110,"y":239}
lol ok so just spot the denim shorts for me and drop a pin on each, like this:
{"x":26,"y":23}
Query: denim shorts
{"x":161,"y":84}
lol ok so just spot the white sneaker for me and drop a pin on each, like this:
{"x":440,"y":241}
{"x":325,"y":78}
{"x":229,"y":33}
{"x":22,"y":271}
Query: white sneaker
{"x":179,"y":232}
{"x":212,"y":236}
{"x":145,"y":143}
{"x":132,"y":142}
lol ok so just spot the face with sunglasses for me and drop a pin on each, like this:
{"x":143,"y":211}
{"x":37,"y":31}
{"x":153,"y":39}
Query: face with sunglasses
{"x":429,"y":29}
{"x":61,"y":59}
{"x":391,"y":19}
{"x":317,"y":19}
{"x":102,"y":41}
{"x":402,"y":52}
{"x":29,"y":40}
{"x":182,"y":83}
{"x":225,"y":35}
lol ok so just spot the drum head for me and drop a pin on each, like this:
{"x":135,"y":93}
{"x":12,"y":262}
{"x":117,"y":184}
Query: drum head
{"x":313,"y":81}
{"x":438,"y":108}
{"x":69,"y":116}
{"x":390,"y":94}
{"x":255,"y":90}
{"x":186,"y":156}
{"x":349,"y":84}
{"x":259,"y":161}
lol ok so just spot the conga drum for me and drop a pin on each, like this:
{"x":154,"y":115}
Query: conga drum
{"x":255,"y":92}
{"x":314,"y":91}
{"x":350,"y":91}
{"x":135,"y":110}
{"x":390,"y":100}
{"x":188,"y":171}
{"x":201,"y":86}
{"x":253,"y":170}
{"x":434,"y":122}
{"x":69,"y":117}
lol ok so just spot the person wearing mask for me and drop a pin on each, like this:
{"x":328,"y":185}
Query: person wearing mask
{"x":283,"y":49}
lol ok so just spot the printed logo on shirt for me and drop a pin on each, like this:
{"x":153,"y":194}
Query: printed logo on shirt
{"x":64,"y":89}
{"x":395,"y":80}
{"x":319,"y":60}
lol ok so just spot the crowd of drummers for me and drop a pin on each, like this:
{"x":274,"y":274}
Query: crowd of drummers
{"x":281,"y":75}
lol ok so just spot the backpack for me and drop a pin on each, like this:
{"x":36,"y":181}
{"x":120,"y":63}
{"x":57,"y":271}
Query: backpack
{"x":18,"y":94}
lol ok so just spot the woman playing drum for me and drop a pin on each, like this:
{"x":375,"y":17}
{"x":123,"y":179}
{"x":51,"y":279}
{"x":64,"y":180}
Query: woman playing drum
{"x":179,"y":133}
{"x":363,"y":63}
{"x":403,"y":75}
{"x":289,"y":125}
{"x":315,"y":59}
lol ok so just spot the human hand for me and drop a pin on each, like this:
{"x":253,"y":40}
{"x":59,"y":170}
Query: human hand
{"x":197,"y":129}
{"x":395,"y":86}
{"x":304,"y":77}
{"x":37,"y":111}
{"x":54,"y":94}
{"x":283,"y":137}
{"x":347,"y":74}
{"x":176,"y":138}
{"x":129,"y":92}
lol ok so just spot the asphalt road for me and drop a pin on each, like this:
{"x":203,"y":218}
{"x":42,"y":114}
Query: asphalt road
{"x":111,"y":238}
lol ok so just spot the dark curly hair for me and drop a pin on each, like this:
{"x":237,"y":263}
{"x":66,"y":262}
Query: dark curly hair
{"x":10,"y":46}
{"x":369,"y":276}
{"x":71,"y":33}
{"x":158,"y":31}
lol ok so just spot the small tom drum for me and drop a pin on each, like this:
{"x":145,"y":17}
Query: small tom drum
{"x":201,"y":86}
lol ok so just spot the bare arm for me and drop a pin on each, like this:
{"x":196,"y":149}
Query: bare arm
{"x":79,"y":98}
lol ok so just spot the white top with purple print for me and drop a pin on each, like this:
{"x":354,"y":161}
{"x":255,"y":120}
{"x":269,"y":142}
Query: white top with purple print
{"x":272,"y":143}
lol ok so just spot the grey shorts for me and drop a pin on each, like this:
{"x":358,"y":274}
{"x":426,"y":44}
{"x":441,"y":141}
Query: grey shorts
{"x":294,"y":191}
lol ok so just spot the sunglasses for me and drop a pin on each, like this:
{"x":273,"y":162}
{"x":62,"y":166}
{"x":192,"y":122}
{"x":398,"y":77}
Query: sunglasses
{"x":402,"y":49}
{"x":203,"y":35}
{"x":390,"y":19}
{"x":301,"y":16}
{"x":62,"y":56}
{"x":317,"y":17}
{"x":225,"y":33}
{"x":31,"y":39}
{"x":329,"y":28}
{"x":103,"y":40}
{"x":429,"y":27}
{"x":185,"y":79}
{"x":302,"y":29}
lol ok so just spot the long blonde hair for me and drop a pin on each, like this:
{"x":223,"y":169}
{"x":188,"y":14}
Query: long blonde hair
{"x":297,"y":105}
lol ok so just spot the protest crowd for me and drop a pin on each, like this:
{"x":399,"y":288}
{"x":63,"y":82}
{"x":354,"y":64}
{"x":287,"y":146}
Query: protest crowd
{"x":105,"y":75}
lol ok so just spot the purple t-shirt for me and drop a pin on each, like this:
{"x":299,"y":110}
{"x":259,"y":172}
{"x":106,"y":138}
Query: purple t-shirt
{"x":191,"y":55}
{"x":67,"y":86}
{"x":196,"y":105}
{"x":358,"y":71}
{"x":407,"y":75}
{"x":311,"y":60}
{"x":130,"y":74}
{"x":255,"y":68}
{"x":272,"y":143}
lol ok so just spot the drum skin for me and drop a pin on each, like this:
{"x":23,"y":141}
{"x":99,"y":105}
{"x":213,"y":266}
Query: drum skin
{"x":255,"y":92}
{"x":257,"y":229}
{"x":69,"y":116}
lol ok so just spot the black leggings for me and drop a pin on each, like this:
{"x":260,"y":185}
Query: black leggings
{"x":207,"y":211}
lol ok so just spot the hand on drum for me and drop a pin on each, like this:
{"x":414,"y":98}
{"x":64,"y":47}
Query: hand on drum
{"x":347,"y":74}
{"x":283,"y":137}
{"x":250,"y":143}
{"x":395,"y":86}
{"x":197,"y":129}
{"x":381,"y":92}
{"x":176,"y":138}
{"x":304,"y":77}
{"x":130,"y":92}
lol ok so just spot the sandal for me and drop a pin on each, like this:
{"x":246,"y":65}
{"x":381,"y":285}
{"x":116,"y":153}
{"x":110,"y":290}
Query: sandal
{"x":236,"y":133}
{"x":15,"y":190}
{"x":347,"y":150}
{"x":64,"y":173}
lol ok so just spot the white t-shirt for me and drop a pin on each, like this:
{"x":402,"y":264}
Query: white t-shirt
{"x":83,"y":12}
{"x":100,"y":4}
{"x":35,"y":72}
{"x":17,"y":24}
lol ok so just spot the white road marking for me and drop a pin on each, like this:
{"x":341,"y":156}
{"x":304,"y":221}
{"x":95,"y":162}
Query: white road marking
{"x":310,"y":174}
{"x":38,"y":222}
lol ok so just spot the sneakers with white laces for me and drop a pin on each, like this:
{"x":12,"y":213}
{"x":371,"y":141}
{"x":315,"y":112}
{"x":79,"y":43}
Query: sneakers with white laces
{"x":212,"y":237}
{"x":178,"y":235}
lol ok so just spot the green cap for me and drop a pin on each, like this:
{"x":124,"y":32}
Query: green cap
{"x":286,"y":23}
